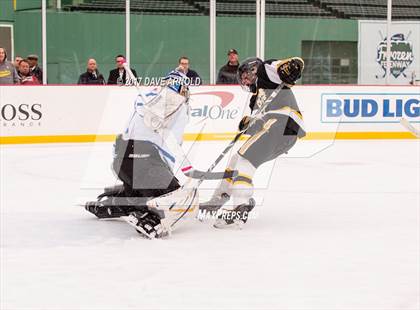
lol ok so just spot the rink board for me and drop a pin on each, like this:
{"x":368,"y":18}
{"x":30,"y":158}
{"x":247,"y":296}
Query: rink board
{"x":53,"y":114}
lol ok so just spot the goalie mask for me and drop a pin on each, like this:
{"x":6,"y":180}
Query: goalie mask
{"x":177,"y":82}
{"x":169,"y":99}
{"x":247,"y":72}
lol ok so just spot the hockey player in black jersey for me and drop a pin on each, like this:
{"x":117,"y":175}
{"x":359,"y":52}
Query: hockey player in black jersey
{"x":272,"y":134}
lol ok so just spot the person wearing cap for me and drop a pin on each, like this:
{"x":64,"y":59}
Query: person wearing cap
{"x":8,"y":74}
{"x":227,"y":73}
{"x":33,"y":65}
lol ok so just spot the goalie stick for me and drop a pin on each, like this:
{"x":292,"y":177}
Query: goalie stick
{"x":187,"y":169}
{"x":406,"y":124}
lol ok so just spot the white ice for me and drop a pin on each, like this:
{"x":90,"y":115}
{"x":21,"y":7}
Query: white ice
{"x":336,"y":230}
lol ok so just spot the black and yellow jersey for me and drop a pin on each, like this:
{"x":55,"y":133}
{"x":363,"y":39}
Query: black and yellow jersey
{"x":283,"y":104}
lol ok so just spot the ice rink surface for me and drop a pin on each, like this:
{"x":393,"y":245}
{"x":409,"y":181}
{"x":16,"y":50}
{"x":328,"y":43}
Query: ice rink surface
{"x":336,"y":230}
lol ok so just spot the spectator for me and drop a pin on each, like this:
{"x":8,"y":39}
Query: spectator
{"x":18,"y":59}
{"x":8,"y":74}
{"x":33,"y":65}
{"x":184,"y":66}
{"x":227,"y":73}
{"x":118,"y":75}
{"x":92,"y":75}
{"x":25,"y":74}
{"x":414,"y":80}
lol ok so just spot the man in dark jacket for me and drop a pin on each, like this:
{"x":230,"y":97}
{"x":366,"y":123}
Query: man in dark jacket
{"x":184,"y":66}
{"x":33,"y":65}
{"x":118,"y":75}
{"x":92,"y":75}
{"x":227,"y":73}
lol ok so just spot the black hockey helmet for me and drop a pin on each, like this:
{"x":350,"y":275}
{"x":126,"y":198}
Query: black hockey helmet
{"x":247,"y":72}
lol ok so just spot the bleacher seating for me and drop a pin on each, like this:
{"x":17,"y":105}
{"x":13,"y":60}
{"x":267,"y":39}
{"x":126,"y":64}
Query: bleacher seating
{"x":279,"y":8}
{"x":372,"y":9}
{"x":350,"y":9}
{"x":165,"y":7}
{"x":375,"y":12}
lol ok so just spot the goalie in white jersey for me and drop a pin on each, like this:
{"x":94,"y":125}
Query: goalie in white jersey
{"x":143,"y":160}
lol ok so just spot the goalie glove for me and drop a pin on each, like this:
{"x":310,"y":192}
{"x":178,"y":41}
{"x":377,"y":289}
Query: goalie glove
{"x":290,"y":70}
{"x":153,"y":121}
{"x":166,"y":101}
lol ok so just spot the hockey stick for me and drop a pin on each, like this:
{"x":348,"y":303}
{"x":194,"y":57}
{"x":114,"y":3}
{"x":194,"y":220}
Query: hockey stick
{"x":188,"y":200}
{"x":187,"y":169}
{"x":406,"y":124}
{"x":254,"y":117}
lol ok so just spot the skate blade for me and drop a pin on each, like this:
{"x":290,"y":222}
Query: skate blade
{"x":221,"y":224}
{"x":132,"y":221}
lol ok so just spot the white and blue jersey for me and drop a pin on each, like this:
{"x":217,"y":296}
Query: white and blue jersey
{"x":137,"y":129}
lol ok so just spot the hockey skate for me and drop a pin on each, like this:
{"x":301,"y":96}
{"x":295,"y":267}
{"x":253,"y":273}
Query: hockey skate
{"x":209,"y":208}
{"x":236,"y":217}
{"x":148,"y":223}
{"x":215,"y":203}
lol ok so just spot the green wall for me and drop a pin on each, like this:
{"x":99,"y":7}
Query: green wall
{"x":158,"y":41}
{"x":284,"y":35}
{"x":6,"y":11}
{"x":28,"y":4}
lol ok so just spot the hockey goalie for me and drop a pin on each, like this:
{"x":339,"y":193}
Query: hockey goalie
{"x":144,"y":159}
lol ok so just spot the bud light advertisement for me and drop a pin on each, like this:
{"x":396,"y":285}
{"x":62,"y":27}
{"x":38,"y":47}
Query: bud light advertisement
{"x":369,"y":107}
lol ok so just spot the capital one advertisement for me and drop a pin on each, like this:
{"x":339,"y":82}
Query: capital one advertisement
{"x":59,"y":110}
{"x":405,"y":52}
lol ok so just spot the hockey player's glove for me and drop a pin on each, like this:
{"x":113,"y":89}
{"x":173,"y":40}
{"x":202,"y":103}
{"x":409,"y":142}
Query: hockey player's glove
{"x":290,"y":70}
{"x":250,"y":130}
{"x":244,"y":122}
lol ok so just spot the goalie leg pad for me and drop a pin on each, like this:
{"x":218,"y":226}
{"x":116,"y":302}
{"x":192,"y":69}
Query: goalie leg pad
{"x":182,"y":203}
{"x":140,"y":167}
{"x":113,"y":207}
